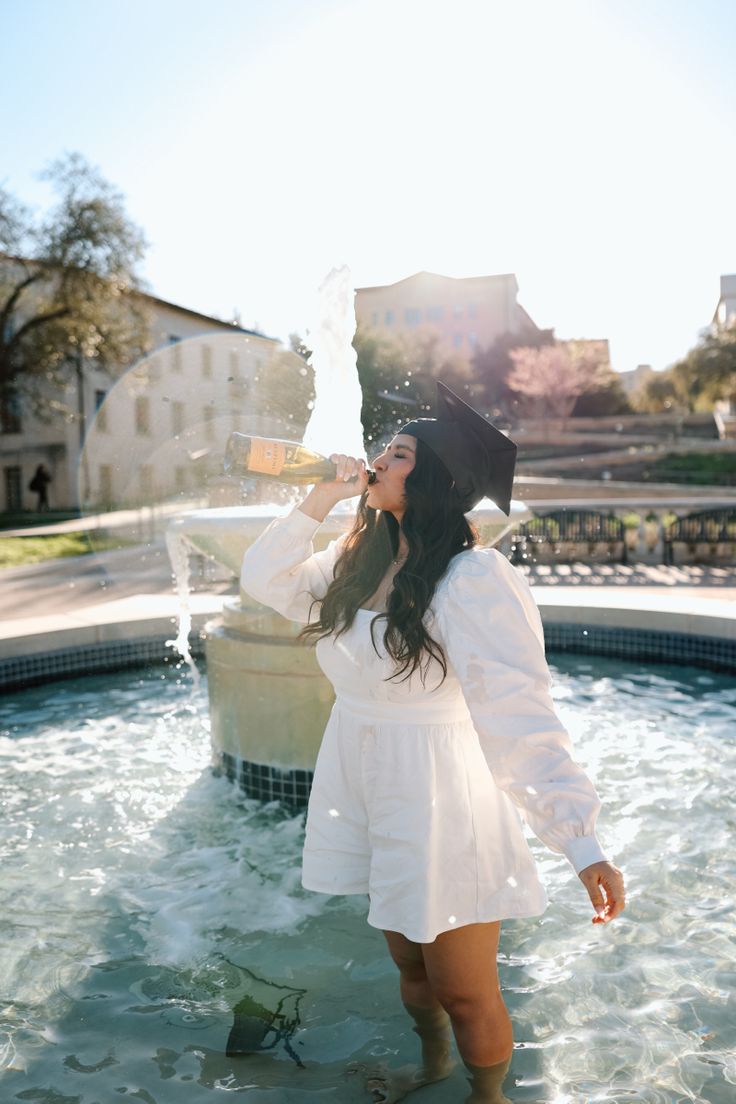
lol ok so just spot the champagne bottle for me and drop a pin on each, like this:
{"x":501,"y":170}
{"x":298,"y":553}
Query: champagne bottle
{"x":284,"y":461}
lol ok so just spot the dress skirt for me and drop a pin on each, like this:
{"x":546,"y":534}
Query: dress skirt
{"x":404,"y":808}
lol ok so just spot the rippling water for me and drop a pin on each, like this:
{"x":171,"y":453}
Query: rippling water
{"x":142,"y":900}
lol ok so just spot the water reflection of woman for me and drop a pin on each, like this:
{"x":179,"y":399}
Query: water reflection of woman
{"x":443,"y":729}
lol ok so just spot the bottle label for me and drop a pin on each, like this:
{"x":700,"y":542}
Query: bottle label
{"x":266,"y":457}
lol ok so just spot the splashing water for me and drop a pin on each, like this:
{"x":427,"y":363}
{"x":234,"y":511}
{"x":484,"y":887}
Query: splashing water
{"x":335,"y":424}
{"x":178,"y":549}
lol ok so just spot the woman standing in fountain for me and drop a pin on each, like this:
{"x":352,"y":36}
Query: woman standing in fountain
{"x":443,"y":727}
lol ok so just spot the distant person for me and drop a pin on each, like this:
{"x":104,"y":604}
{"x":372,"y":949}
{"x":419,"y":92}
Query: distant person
{"x":39,"y":484}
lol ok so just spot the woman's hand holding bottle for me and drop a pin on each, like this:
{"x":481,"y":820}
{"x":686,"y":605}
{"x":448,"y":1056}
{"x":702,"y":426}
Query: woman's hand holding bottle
{"x":351,"y":480}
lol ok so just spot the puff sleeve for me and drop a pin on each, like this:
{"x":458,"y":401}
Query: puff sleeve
{"x":492,"y":632}
{"x":282,"y":570}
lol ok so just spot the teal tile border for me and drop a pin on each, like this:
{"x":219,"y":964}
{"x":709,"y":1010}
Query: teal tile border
{"x":17,"y":672}
{"x":716,"y":653}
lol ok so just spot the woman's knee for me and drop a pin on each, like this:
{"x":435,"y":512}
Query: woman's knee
{"x":471,"y":1007}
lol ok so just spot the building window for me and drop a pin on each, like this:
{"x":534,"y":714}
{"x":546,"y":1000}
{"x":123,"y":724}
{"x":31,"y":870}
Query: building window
{"x":207,"y":361}
{"x":146,"y":482}
{"x":100,"y":412}
{"x":457,"y":340}
{"x":177,"y":417}
{"x":13,"y":488}
{"x":473,"y":339}
{"x":457,"y":311}
{"x":434,"y":314}
{"x":142,"y":416}
{"x":209,"y":422}
{"x":473,"y":310}
{"x":175,"y":353}
{"x":375,"y":318}
{"x":389,"y":318}
{"x":412,"y":316}
{"x":10,"y":413}
{"x":106,"y":484}
{"x":234,"y":366}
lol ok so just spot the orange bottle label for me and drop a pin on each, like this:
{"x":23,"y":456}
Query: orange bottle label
{"x":266,"y":457}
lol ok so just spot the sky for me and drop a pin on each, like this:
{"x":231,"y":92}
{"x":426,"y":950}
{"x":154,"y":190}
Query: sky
{"x":587,"y":147}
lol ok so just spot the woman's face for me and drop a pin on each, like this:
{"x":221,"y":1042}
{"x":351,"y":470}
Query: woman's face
{"x":391,"y":468}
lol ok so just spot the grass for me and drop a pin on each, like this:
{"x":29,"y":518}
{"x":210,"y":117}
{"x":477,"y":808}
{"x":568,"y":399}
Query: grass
{"x":696,"y":467}
{"x":20,"y":551}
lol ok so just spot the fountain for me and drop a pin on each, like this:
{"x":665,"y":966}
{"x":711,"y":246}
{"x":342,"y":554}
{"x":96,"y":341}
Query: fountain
{"x":269,"y":701}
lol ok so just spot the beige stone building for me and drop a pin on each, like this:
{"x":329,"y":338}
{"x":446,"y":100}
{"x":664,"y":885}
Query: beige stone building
{"x":725,"y":316}
{"x":465,"y":314}
{"x":147,"y":432}
{"x":725,"y":312}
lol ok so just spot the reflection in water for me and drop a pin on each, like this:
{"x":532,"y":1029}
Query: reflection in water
{"x":154,"y":917}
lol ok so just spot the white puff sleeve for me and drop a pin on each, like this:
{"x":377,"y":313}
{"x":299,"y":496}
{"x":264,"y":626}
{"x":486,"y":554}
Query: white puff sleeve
{"x":492,"y":632}
{"x":282,"y":570}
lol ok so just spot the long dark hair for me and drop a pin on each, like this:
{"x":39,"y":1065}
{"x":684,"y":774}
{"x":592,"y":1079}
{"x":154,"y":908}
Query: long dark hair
{"x":436,"y":529}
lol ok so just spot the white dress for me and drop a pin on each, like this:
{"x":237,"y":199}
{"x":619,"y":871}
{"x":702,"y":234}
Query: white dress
{"x":417,"y":789}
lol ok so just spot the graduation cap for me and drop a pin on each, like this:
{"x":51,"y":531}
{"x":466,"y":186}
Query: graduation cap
{"x":478,"y":456}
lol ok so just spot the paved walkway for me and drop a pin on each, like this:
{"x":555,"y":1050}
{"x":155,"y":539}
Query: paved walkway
{"x":63,"y":586}
{"x":136,"y":584}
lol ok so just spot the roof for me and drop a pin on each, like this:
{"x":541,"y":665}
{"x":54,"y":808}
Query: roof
{"x":439,"y":276}
{"x":207,"y":317}
{"x":161,"y":302}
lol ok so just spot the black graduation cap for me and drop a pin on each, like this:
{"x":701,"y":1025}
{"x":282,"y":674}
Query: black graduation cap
{"x":478,"y":456}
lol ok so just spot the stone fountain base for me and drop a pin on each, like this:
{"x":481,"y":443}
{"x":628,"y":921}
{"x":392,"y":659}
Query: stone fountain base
{"x":269,"y":703}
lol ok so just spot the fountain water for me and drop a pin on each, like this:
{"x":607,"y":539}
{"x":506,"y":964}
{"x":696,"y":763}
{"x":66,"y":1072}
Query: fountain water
{"x":138,"y":918}
{"x":269,"y":700}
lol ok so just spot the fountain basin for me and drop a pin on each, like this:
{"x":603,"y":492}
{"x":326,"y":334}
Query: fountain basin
{"x":224,"y":534}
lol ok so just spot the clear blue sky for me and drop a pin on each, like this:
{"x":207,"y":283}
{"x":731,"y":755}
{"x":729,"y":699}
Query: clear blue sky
{"x":586,"y":145}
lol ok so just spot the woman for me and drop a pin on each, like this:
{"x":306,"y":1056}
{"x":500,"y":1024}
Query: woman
{"x":443,"y":726}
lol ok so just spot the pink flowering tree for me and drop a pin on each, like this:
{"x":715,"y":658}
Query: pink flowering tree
{"x":550,"y":379}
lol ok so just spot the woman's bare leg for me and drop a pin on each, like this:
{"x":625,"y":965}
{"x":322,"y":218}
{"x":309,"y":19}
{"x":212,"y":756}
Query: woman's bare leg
{"x":431,"y":1024}
{"x":462,"y":973}
{"x":413,"y":981}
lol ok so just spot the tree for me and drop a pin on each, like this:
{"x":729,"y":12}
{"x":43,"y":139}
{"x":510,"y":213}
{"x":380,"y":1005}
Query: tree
{"x":607,"y":397}
{"x":67,"y":285}
{"x":493,"y":365}
{"x":550,"y":379}
{"x":706,"y":375}
{"x":397,"y":378}
{"x":658,"y":395}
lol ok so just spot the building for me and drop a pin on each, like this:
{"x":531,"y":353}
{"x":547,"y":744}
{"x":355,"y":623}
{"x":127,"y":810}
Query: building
{"x":148,"y":432}
{"x":464,"y":314}
{"x":635,"y":378}
{"x":725,"y":316}
{"x":725,"y":312}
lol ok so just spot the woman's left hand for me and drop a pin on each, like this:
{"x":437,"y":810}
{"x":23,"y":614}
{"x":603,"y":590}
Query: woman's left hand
{"x":605,"y":885}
